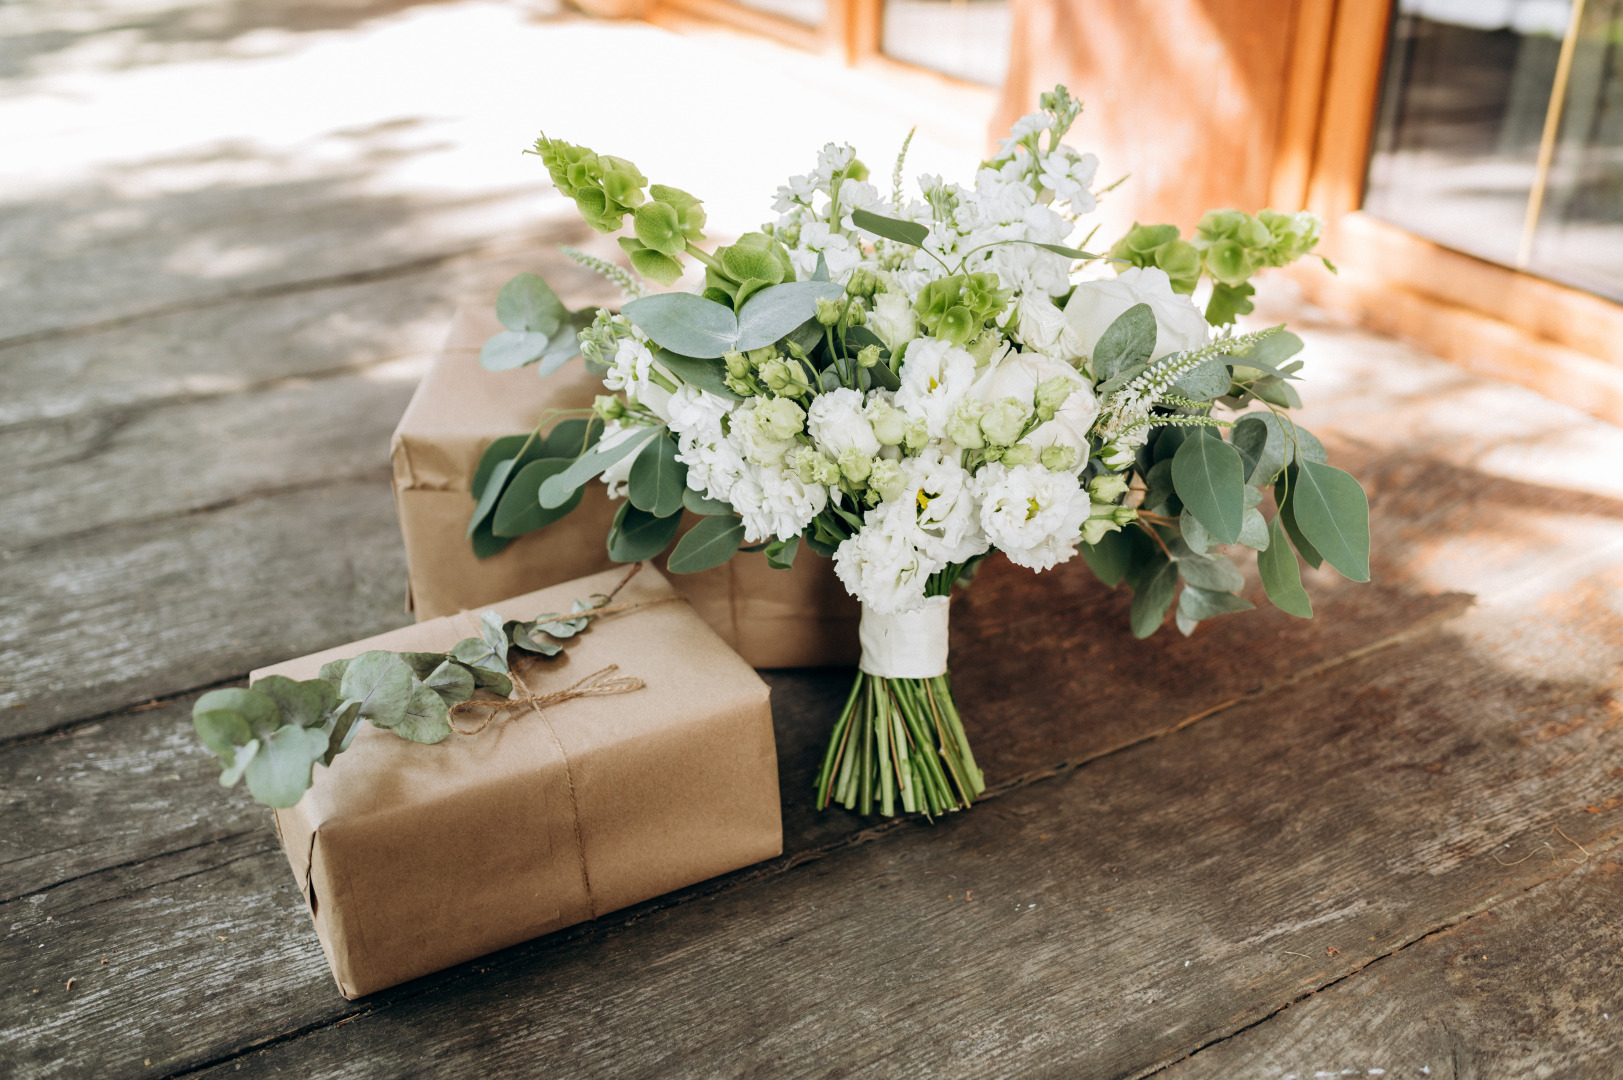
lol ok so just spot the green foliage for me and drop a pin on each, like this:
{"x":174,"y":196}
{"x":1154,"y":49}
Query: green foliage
{"x":1125,"y":348}
{"x":711,"y":542}
{"x":657,"y":479}
{"x":274,"y":732}
{"x":957,"y":308}
{"x":1210,"y":482}
{"x":910,"y":233}
{"x":538,"y":328}
{"x":1281,"y":577}
{"x":561,"y":487}
{"x":1332,"y":513}
{"x":1160,"y":246}
{"x":693,"y":326}
{"x":780,"y":554}
{"x":637,"y":535}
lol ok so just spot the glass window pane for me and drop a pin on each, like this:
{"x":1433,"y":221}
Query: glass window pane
{"x":805,"y":12}
{"x":1579,"y":237}
{"x":968,"y":39}
{"x":1456,"y":142}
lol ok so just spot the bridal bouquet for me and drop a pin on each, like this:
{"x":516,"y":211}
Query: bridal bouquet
{"x":906,"y":384}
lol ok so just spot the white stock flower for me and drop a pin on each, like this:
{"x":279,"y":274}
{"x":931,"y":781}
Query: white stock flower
{"x":1032,"y":515}
{"x":935,"y":377}
{"x":1069,"y":177}
{"x":617,"y":475}
{"x":881,"y":565}
{"x":714,"y":463}
{"x":1094,"y":305}
{"x":837,"y":423}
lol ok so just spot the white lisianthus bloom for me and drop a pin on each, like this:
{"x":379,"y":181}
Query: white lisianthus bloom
{"x":1094,"y":305}
{"x":617,"y":475}
{"x":935,"y":377}
{"x":1042,"y":328}
{"x":881,"y":566}
{"x":838,"y":423}
{"x":1018,"y":374}
{"x":1033,"y":515}
{"x":893,"y":320}
{"x":939,"y":497}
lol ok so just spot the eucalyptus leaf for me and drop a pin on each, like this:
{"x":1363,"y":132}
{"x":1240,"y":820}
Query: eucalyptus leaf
{"x":638,"y":535}
{"x":1122,"y":377}
{"x":426,"y":719}
{"x":527,"y":302}
{"x":1214,"y":572}
{"x":519,"y":510}
{"x":260,"y":711}
{"x":1109,"y":558}
{"x":657,"y":479}
{"x":279,"y":773}
{"x":1061,"y":249}
{"x":1168,"y":440}
{"x":494,"y":633}
{"x":780,"y":554}
{"x":493,"y":491}
{"x":1128,"y":341}
{"x":562,"y":348}
{"x":696,"y":502}
{"x":531,"y":639}
{"x":1210,"y":482}
{"x":685,"y":324}
{"x":710,"y":375}
{"x":711,"y":542}
{"x":1333,"y":513}
{"x":506,"y":446}
{"x":560,"y":487}
{"x":1254,"y":529}
{"x":486,"y":543}
{"x":884,"y":376}
{"x":1196,"y":604}
{"x":1194,"y":533}
{"x":511,"y":349}
{"x":345,"y":723}
{"x":1157,"y":485}
{"x":1285,"y":499}
{"x":903,"y":232}
{"x":223,"y":731}
{"x":451,"y":681}
{"x":421,"y":663}
{"x":572,"y":438}
{"x":303,"y":703}
{"x":332,"y":672}
{"x":1151,"y":598}
{"x":1270,"y":442}
{"x":238,"y":763}
{"x":1281,"y":577}
{"x":381,"y":682}
{"x":1206,"y":380}
{"x":774,"y":312}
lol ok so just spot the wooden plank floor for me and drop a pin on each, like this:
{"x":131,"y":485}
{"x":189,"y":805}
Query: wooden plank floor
{"x":1385,"y":842}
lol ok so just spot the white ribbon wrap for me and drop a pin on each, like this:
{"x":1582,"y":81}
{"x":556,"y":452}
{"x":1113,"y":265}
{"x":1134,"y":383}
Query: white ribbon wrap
{"x":912,"y":645}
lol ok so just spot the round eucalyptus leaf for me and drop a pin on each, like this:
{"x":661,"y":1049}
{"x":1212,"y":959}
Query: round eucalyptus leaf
{"x":279,"y":773}
{"x":239,"y":763}
{"x":451,"y":681}
{"x":222,"y":730}
{"x":527,"y":302}
{"x":426,"y":720}
{"x":302,"y":703}
{"x":512,"y":349}
{"x":261,"y":712}
{"x":382,"y":683}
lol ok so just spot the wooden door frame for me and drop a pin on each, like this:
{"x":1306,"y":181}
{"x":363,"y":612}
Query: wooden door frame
{"x":1490,"y":318}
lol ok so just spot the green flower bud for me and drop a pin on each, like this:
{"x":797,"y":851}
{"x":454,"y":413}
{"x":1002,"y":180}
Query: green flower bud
{"x":1058,"y":458}
{"x":829,"y":311}
{"x":1124,"y":515}
{"x":608,"y":407}
{"x":868,"y":356}
{"x":1094,"y":530}
{"x":889,"y":423}
{"x":863,"y":283}
{"x":856,"y":312}
{"x":886,"y":479}
{"x":965,"y":426}
{"x":1051,"y":394}
{"x":1004,"y":422}
{"x":779,"y":418}
{"x":1107,"y":487}
{"x":1019,"y":454}
{"x":855,"y":466}
{"x":782,"y":377}
{"x":738,"y":365}
{"x":813,"y":467}
{"x":958,"y":325}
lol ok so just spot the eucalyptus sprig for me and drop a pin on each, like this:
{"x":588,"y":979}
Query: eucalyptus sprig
{"x":276,"y":730}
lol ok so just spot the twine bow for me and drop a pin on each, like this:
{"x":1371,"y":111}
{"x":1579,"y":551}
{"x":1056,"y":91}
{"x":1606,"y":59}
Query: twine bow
{"x":598,"y":684}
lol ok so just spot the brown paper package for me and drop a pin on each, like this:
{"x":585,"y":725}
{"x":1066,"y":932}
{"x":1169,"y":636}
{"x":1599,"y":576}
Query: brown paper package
{"x":801,"y":617}
{"x":414,"y":858}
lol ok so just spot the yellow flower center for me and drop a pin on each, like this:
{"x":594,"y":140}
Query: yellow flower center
{"x":924,"y":499}
{"x":933,"y":383}
{"x":1031,"y":508}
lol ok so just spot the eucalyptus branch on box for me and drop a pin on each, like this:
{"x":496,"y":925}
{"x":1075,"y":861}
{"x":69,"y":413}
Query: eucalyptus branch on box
{"x":274,"y":732}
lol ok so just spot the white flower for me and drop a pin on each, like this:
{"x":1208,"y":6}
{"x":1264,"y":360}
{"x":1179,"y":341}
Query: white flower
{"x":893,"y":320}
{"x":1069,"y":177}
{"x":881,"y":566}
{"x":1094,"y":305}
{"x":837,"y":423}
{"x":775,"y":502}
{"x":1042,"y":327}
{"x":714,"y":463}
{"x":765,"y":429}
{"x":938,"y":498}
{"x":1032,"y":515}
{"x":631,"y":364}
{"x":935,"y":377}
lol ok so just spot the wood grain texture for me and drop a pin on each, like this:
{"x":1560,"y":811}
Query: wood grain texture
{"x":1099,"y":924}
{"x":1526,"y":989}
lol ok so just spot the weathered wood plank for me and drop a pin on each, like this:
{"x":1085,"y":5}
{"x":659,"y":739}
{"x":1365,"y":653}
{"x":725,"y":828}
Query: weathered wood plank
{"x":1369,"y":804}
{"x":237,"y":345}
{"x":152,"y":609}
{"x":81,"y":476}
{"x":1529,"y":988}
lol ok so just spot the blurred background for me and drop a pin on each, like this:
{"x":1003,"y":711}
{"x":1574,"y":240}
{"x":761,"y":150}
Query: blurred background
{"x":169,"y":154}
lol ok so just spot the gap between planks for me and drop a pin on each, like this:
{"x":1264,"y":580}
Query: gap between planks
{"x":1482,"y":907}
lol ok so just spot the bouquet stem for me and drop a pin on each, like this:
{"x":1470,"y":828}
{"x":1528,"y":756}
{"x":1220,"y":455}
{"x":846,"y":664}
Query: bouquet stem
{"x":899,"y":741}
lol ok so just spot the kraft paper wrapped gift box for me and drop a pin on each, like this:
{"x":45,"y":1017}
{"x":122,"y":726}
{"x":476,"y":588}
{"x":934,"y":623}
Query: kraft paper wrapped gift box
{"x":801,"y":617}
{"x":414,"y":858}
